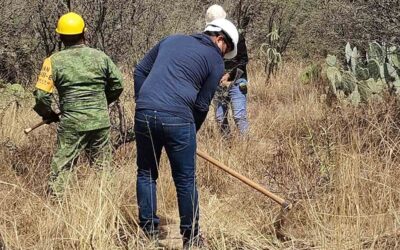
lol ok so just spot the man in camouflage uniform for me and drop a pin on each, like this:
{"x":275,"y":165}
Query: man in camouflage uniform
{"x":87,"y":81}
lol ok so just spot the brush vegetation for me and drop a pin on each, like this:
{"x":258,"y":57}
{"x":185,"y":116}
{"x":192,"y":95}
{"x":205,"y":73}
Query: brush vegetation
{"x":338,"y":164}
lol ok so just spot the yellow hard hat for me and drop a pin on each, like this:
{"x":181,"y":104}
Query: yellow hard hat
{"x":70,"y":24}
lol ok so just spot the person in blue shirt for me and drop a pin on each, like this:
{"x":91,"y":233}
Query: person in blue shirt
{"x":174,"y":84}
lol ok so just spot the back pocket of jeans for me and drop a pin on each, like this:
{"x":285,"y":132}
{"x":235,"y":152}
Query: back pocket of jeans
{"x":177,"y":136}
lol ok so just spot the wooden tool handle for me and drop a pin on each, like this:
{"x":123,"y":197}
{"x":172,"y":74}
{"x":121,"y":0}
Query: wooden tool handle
{"x":28,"y":130}
{"x":285,"y":204}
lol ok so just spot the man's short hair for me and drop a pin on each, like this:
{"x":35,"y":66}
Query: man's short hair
{"x":227,"y":39}
{"x":71,"y":39}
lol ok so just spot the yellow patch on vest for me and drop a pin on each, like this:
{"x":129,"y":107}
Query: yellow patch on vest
{"x":45,"y":79}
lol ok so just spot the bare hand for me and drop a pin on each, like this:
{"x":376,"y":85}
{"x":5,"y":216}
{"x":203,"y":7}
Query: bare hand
{"x":225,"y":84}
{"x":224,"y":78}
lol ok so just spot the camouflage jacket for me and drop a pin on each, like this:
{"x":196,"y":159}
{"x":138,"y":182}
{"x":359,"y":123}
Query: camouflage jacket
{"x":86,"y":80}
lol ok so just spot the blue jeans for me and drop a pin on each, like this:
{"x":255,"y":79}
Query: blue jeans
{"x":238,"y":102}
{"x":155,"y":130}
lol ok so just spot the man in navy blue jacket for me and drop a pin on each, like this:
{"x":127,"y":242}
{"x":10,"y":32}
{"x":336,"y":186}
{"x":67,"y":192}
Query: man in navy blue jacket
{"x":174,"y":85}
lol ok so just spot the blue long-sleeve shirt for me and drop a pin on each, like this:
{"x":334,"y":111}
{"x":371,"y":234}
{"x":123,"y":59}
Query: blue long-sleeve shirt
{"x":179,"y":76}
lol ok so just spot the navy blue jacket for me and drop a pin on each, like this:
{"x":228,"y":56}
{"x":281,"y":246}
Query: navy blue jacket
{"x":179,"y":76}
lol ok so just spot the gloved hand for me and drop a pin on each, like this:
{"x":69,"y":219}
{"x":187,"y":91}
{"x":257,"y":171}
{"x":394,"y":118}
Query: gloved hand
{"x":52,"y":117}
{"x":243,"y":87}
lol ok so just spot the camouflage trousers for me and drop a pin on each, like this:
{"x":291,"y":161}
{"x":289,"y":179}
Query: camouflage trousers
{"x":70,"y":143}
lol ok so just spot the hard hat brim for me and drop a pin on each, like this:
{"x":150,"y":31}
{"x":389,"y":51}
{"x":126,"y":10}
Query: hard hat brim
{"x":70,"y":33}
{"x":231,"y":54}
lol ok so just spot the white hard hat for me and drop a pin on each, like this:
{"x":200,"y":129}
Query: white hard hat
{"x":229,"y":29}
{"x":214,"y":12}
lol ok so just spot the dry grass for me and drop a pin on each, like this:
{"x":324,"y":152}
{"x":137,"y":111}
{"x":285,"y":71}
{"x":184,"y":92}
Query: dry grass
{"x":339,"y":165}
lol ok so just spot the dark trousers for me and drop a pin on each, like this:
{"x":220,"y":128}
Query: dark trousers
{"x":155,"y":130}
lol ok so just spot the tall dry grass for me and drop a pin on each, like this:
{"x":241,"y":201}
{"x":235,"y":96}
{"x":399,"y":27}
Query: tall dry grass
{"x":338,"y":165}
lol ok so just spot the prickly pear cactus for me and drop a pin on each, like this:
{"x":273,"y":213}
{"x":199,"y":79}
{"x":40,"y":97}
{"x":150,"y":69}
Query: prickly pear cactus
{"x":362,"y":73}
{"x":348,"y":83}
{"x":395,"y":88}
{"x":354,"y":59}
{"x":370,"y":89}
{"x":374,"y":69}
{"x":376,"y":52}
{"x":390,"y":72}
{"x":334,"y":77}
{"x":348,"y":52}
{"x":393,"y":69}
{"x":394,"y":58}
{"x":365,"y":80}
{"x":331,"y":61}
{"x":355,"y":97}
